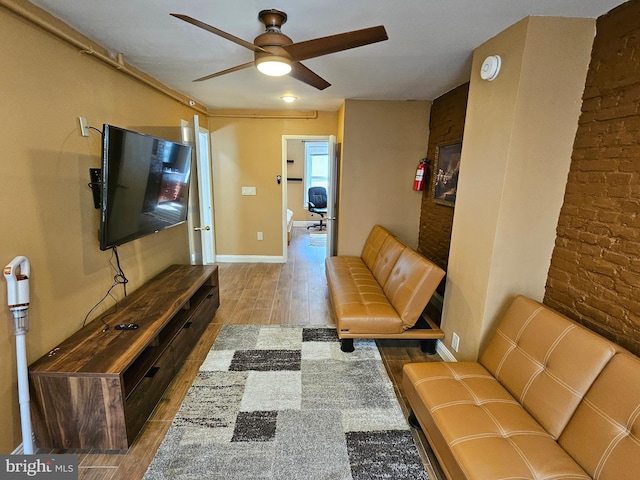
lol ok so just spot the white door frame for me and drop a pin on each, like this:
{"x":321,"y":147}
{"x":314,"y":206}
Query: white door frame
{"x":318,"y":138}
{"x":332,"y":198}
{"x":201,"y":215}
{"x":205,"y":196}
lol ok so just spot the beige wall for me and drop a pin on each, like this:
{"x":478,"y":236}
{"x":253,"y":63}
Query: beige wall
{"x":47,"y":210}
{"x":248,"y":152}
{"x":517,"y":146}
{"x":382,"y":143}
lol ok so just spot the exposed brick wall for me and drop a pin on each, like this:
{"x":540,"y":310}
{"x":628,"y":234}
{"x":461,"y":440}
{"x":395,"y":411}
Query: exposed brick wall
{"x":446,"y":125}
{"x":594,"y":276}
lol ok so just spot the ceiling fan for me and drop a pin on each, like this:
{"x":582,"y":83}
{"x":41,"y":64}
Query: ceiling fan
{"x":276,"y":54}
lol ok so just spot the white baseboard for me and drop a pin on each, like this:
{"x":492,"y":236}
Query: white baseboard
{"x":249,"y":259}
{"x":444,"y":352}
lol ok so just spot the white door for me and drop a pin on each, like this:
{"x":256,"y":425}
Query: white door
{"x":201,"y":221}
{"x":332,"y":198}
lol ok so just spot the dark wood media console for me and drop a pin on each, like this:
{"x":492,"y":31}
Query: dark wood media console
{"x":97,"y":388}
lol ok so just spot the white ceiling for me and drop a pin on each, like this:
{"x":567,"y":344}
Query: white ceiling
{"x":428,"y":52}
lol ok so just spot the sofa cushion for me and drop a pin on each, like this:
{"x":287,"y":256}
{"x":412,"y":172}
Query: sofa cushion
{"x":380,"y":253}
{"x":358,"y":300}
{"x":410,"y":285}
{"x":604,"y":434}
{"x":546,"y":361}
{"x":372,"y":246}
{"x":481,"y":425}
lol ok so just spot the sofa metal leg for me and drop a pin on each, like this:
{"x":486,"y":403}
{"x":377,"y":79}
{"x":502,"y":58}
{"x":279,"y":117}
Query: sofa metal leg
{"x":429,"y":346}
{"x":346,"y":345}
{"x":413,"y":421}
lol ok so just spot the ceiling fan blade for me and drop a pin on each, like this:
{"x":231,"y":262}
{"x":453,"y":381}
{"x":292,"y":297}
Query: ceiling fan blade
{"x":302,"y":73}
{"x":335,"y":43}
{"x":218,"y":32}
{"x":224,"y":72}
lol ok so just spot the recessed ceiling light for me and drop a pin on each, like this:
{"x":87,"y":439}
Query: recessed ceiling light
{"x":289,"y":98}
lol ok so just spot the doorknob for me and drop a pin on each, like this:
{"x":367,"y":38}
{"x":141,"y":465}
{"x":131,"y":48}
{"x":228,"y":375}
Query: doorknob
{"x":199,"y":229}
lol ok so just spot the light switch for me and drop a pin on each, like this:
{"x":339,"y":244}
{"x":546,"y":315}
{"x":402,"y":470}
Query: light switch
{"x":248,"y":190}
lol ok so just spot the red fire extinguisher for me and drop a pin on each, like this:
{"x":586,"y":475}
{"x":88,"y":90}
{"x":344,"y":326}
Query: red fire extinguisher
{"x":421,"y":173}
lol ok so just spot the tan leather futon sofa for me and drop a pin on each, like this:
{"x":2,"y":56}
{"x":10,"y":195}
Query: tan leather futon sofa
{"x":548,"y":399}
{"x":382,"y":293}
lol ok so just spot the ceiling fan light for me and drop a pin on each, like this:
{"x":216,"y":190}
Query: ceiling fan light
{"x":273,"y":66}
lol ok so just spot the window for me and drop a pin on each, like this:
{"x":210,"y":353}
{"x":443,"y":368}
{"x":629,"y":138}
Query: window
{"x":316,"y":167}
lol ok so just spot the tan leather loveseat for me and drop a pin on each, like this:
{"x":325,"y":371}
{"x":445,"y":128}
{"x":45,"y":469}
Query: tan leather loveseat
{"x":382,"y":293}
{"x":548,"y":399}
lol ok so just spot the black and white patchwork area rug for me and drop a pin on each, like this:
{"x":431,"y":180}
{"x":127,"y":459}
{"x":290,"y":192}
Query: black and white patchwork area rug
{"x":283,"y":402}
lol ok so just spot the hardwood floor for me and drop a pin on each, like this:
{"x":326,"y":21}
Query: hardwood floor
{"x":293,"y":293}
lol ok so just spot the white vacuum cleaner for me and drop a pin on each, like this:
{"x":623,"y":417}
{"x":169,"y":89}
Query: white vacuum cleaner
{"x":17,"y":275}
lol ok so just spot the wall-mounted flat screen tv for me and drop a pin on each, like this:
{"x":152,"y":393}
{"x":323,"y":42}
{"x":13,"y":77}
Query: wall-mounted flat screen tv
{"x":145,"y":185}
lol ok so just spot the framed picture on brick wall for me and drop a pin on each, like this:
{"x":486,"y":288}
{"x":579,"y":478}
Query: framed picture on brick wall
{"x":445,"y":173}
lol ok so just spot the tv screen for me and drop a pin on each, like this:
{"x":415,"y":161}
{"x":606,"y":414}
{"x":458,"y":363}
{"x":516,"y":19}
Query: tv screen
{"x":145,"y":185}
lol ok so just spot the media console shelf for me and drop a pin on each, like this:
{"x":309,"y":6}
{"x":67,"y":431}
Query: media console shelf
{"x":97,"y":388}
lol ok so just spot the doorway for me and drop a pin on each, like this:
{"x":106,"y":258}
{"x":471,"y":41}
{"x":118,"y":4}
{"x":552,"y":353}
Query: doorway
{"x":297,"y":168}
{"x":200,"y":220}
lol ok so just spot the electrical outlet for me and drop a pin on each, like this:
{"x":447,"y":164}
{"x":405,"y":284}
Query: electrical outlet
{"x":84,"y":127}
{"x":260,"y":236}
{"x":455,"y":341}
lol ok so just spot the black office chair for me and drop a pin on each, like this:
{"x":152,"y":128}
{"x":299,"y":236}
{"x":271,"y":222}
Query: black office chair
{"x":318,"y":204}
